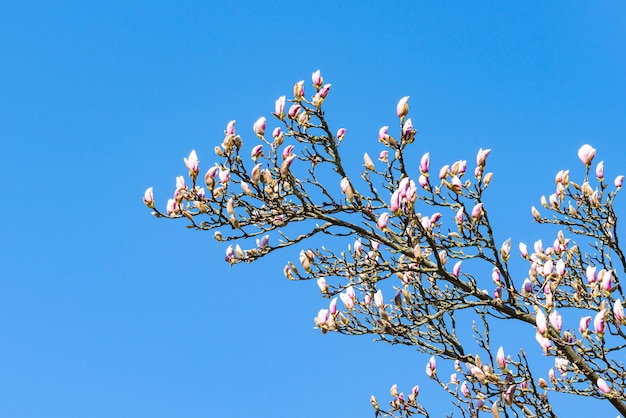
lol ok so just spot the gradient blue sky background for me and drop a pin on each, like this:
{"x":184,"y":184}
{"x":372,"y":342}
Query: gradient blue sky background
{"x":106,"y":311}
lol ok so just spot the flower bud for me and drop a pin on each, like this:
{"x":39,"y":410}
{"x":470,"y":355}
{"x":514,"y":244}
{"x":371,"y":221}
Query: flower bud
{"x":619,"y":180}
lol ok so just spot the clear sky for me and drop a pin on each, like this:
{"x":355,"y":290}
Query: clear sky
{"x":106,"y":311}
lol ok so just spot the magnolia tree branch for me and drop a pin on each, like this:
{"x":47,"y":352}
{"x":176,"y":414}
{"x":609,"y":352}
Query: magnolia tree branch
{"x":427,"y":239}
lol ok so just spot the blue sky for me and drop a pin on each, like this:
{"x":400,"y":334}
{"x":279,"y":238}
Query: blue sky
{"x":106,"y":311}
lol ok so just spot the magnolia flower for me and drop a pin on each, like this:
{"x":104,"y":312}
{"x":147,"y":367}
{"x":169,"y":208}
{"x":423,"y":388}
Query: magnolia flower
{"x":230,"y":253}
{"x":278,"y":136}
{"x":527,"y":287}
{"x":180,"y":183}
{"x":603,"y":386}
{"x":590,"y":273}
{"x":263,"y":241}
{"x":599,"y":324}
{"x":478,"y":373}
{"x":317,"y":79}
{"x":431,"y":367}
{"x":259,"y":127}
{"x":193,"y":164}
{"x":535,"y":213}
{"x":279,"y":107}
{"x":407,"y":128}
{"x":347,"y":299}
{"x":505,"y":250}
{"x":477,"y":211}
{"x":298,"y":90}
{"x":382,"y":134}
{"x":465,"y":389}
{"x":257,"y":152}
{"x":382,"y":220}
{"x":500,"y":359}
{"x":383,"y":156}
{"x":324,"y":91}
{"x":459,"y":216}
{"x":425,"y":163}
{"x":523,"y":249}
{"x":148,"y":197}
{"x":456,"y":185}
{"x":224,"y":176}
{"x":378,"y":298}
{"x":333,"y":306}
{"x":481,"y":157}
{"x":586,"y":154}
{"x":402,"y":108}
{"x":619,"y":180}
{"x":322,"y":317}
{"x":600,"y":170}
{"x":540,"y":320}
{"x":423,"y":182}
{"x":544,"y":342}
{"x":444,"y":171}
{"x":321,"y":283}
{"x":293,"y":111}
{"x":230,"y":128}
{"x":583,"y":325}
{"x":341,"y":133}
{"x":618,"y":312}
{"x":346,"y":188}
{"x":556,"y":320}
{"x":284,"y":167}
